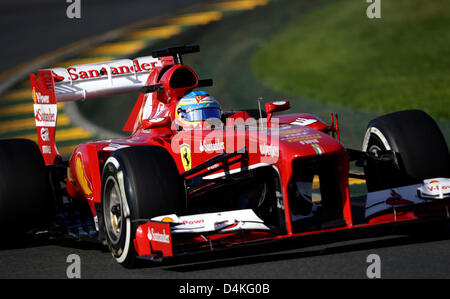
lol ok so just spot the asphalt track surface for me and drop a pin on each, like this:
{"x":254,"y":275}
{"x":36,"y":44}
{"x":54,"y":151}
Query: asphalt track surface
{"x":31,"y":29}
{"x":402,"y":256}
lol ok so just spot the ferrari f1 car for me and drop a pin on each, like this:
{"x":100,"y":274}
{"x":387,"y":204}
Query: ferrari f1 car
{"x":240,"y":178}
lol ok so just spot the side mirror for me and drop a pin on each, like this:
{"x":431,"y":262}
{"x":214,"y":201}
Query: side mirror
{"x":155,"y":123}
{"x":277,"y":106}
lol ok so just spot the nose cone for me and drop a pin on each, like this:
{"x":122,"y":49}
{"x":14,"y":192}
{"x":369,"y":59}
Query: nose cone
{"x":300,"y":141}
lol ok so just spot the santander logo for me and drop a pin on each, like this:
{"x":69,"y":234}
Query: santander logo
{"x":212,"y":147}
{"x":119,"y":70}
{"x":45,"y":116}
{"x":158,"y":237}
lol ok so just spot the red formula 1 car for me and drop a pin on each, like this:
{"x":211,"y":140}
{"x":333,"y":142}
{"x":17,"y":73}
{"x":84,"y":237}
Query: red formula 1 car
{"x":235,"y":178}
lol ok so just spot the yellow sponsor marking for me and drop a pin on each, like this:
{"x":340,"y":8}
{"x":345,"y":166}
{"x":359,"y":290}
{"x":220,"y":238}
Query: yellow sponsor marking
{"x":240,"y":4}
{"x":200,"y":18}
{"x":79,"y":61}
{"x":119,"y":48}
{"x":62,"y":135}
{"x":155,"y":32}
{"x":21,"y":109}
{"x":28,"y":123}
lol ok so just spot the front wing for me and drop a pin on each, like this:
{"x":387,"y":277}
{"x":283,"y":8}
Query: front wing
{"x":172,"y":235}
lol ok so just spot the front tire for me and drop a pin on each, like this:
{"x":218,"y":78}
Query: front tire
{"x":138,"y":183}
{"x":420,"y":148}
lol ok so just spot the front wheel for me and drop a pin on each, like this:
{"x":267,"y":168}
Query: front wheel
{"x":138,"y":183}
{"x":420,"y":148}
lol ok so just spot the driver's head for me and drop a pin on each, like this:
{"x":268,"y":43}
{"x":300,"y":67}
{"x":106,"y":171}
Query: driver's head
{"x":195,"y":108}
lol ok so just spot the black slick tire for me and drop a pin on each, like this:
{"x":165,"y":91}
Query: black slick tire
{"x":138,"y":183}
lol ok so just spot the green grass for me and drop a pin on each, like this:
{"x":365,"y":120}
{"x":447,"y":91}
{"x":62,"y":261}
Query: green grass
{"x":337,"y":55}
{"x":227,"y":49}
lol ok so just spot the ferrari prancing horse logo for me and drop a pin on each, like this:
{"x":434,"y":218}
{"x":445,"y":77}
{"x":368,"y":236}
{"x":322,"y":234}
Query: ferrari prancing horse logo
{"x":185,"y":152}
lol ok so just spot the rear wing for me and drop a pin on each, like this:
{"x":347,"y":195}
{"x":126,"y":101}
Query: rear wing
{"x":87,"y":81}
{"x":81,"y":82}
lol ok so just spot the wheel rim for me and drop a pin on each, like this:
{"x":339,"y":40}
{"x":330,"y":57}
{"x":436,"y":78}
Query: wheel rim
{"x":113,"y":210}
{"x":374,"y":149}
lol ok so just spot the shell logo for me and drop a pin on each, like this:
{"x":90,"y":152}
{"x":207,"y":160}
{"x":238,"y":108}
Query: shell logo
{"x":167,"y":219}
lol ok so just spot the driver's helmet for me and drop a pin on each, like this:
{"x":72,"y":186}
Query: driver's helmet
{"x":195,"y":108}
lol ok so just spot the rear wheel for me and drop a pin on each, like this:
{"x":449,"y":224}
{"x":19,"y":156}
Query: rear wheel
{"x":26,"y":198}
{"x":420,"y":147}
{"x":138,"y":183}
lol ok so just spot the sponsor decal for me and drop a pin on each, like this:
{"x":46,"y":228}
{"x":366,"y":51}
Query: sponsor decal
{"x":136,"y":67}
{"x":269,"y":150}
{"x":212,"y":147}
{"x":199,"y":222}
{"x":311,"y":141}
{"x":303,"y":121}
{"x":45,"y":115}
{"x":167,"y":219}
{"x":291,"y":131}
{"x":46,"y":149}
{"x":317,"y":149}
{"x":158,"y":237}
{"x":194,"y":221}
{"x":213,"y":166}
{"x":45,"y":135}
{"x":185,"y":153}
{"x":438,"y":187}
{"x":38,"y":98}
{"x":300,"y":139}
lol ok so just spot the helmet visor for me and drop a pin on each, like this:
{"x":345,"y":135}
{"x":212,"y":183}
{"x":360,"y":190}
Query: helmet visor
{"x":202,"y":114}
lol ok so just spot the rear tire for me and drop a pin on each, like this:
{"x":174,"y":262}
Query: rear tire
{"x":26,"y":198}
{"x":419,"y":143}
{"x":139,"y":182}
